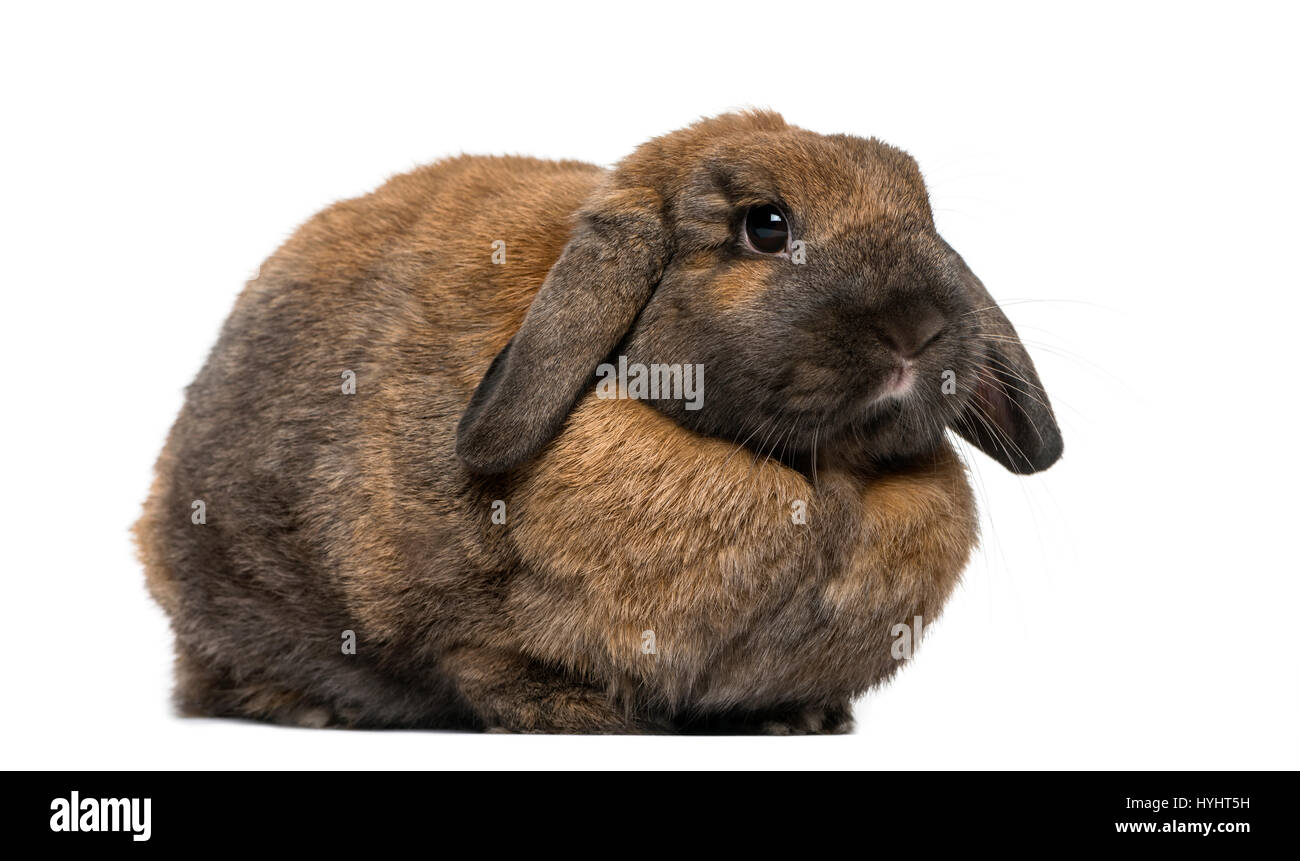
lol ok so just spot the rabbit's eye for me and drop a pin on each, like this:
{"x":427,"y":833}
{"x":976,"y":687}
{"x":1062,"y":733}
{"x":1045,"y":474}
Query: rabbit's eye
{"x":766,"y":229}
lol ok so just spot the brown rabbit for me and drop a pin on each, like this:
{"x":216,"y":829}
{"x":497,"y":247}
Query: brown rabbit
{"x":400,"y":493}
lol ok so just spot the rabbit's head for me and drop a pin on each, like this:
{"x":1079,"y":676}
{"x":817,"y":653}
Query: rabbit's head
{"x":803,"y":274}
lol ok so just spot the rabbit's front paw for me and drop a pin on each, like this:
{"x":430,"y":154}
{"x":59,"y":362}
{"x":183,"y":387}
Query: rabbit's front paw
{"x":836,"y":720}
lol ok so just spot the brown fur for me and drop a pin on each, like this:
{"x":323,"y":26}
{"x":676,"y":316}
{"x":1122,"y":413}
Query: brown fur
{"x":329,"y":512}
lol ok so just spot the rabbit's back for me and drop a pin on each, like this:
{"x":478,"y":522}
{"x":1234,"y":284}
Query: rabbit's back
{"x":312,"y":464}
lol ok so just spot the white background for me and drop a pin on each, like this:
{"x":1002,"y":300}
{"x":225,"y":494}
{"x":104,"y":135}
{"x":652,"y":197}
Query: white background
{"x":1124,"y":177}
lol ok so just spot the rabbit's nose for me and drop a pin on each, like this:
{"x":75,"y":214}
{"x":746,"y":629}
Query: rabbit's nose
{"x":908,"y":331}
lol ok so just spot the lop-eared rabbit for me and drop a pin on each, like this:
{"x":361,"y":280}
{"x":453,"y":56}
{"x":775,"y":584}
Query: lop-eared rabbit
{"x":406,"y":491}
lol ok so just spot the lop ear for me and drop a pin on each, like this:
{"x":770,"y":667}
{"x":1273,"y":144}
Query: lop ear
{"x":1009,"y":416}
{"x":588,"y":301}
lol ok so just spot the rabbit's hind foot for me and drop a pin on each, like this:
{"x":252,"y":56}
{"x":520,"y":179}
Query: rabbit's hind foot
{"x":512,"y":694}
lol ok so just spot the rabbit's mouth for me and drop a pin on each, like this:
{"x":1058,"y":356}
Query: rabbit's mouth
{"x":897,"y":421}
{"x":898,"y":382}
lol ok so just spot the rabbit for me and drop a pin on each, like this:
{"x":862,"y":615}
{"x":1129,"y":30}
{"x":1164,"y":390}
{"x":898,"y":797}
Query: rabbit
{"x":398,"y":494}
